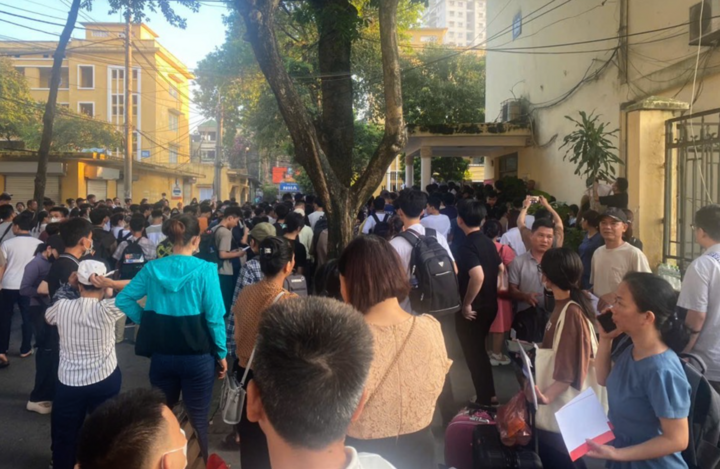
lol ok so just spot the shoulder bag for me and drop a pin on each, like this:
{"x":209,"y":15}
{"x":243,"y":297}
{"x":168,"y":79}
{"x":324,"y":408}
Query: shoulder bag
{"x":545,"y":369}
{"x":393,"y":362}
{"x":232,"y":399}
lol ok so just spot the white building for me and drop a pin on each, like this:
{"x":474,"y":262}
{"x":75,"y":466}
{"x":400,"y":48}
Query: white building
{"x":465,"y":20}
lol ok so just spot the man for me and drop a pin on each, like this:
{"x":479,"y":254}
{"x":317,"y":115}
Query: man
{"x":71,"y":203}
{"x":91,"y":199}
{"x":204,"y":218}
{"x":478,"y":268}
{"x":411,"y":204}
{"x":294,"y":223}
{"x":223,"y":242}
{"x":557,"y":223}
{"x":319,"y":212}
{"x":58,"y":214}
{"x":379,"y":215}
{"x":76,"y":235}
{"x":512,"y":236}
{"x":306,"y":234}
{"x":32,"y":205}
{"x":449,"y":209}
{"x":104,"y":242}
{"x":612,"y":262}
{"x":619,"y":197}
{"x":16,"y":254}
{"x":312,"y":360}
{"x":5,"y":199}
{"x":7,"y":213}
{"x":434,"y":219}
{"x":700,"y":294}
{"x":154,"y":231}
{"x":117,"y":202}
{"x":281,"y":212}
{"x":137,"y":225}
{"x":128,"y":202}
{"x":134,"y":430}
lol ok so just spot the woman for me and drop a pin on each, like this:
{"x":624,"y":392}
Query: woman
{"x":19,"y":207}
{"x":276,"y":263}
{"x":648,"y":392}
{"x":590,"y":243}
{"x":182,"y":327}
{"x":194,"y":201}
{"x":41,"y":220}
{"x":410,"y":364}
{"x":501,"y":325}
{"x":568,"y":346}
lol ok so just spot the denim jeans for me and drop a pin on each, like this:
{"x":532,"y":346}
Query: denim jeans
{"x":47,"y":356}
{"x":8,"y":298}
{"x":194,"y":376}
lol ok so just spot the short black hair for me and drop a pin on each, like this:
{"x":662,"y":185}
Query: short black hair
{"x":379,"y":204}
{"x":137,"y":223}
{"x":156,"y":213}
{"x":73,"y":230}
{"x":293,"y":222}
{"x":91,"y":196}
{"x":233,"y":212}
{"x":435,"y":201}
{"x":60,"y":209}
{"x":312,"y":360}
{"x":145,"y":207}
{"x":25,"y":220}
{"x":5,"y":196}
{"x":622,"y":184}
{"x":116,"y":219}
{"x":205,"y":208}
{"x":98,"y":215}
{"x":412,"y":202}
{"x":448,"y":199}
{"x":542,"y":223}
{"x":6,"y":211}
{"x":708,"y":218}
{"x":190,"y":209}
{"x":122,"y":432}
{"x":281,"y":210}
{"x":472,"y":212}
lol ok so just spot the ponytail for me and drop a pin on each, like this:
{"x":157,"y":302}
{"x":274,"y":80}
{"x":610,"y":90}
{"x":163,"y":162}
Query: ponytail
{"x":581,"y":298}
{"x":180,"y":230}
{"x":563,"y":267}
{"x":274,"y":253}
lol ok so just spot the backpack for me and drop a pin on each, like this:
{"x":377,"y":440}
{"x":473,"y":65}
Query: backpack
{"x":207,"y":250}
{"x":132,"y":260}
{"x":296,"y":284}
{"x":320,"y":225}
{"x":381,"y":228}
{"x":703,"y":451}
{"x":434,"y":284}
{"x":121,"y":237}
{"x":165,"y":248}
{"x":279,"y":229}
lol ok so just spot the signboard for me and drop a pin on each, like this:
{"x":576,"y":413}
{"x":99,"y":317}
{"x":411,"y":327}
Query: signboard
{"x":145,"y":154}
{"x":278,"y":174}
{"x":177,"y":191}
{"x":289,"y":187}
{"x":517,"y":26}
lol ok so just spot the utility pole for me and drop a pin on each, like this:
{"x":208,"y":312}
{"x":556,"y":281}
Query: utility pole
{"x":218,"y":151}
{"x":128,"y":177}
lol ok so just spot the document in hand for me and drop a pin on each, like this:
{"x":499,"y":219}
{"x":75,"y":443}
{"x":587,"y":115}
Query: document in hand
{"x":582,"y":419}
{"x":527,"y":371}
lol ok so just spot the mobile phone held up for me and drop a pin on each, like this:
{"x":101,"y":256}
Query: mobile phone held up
{"x":605,"y":320}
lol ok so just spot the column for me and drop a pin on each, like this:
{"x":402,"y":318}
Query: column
{"x":425,"y":166}
{"x":409,"y":168}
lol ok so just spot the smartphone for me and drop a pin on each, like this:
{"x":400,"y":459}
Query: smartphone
{"x":246,"y":248}
{"x":535,"y":200}
{"x":605,"y":320}
{"x":109,"y":273}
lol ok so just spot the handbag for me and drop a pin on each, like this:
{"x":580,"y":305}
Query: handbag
{"x":545,"y":369}
{"x":232,"y":398}
{"x":393,"y":362}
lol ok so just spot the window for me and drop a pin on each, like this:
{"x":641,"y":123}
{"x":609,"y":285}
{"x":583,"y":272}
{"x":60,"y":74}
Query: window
{"x":211,"y":136}
{"x":452,"y":13}
{"x":452,"y":24}
{"x":478,"y":160}
{"x":86,"y":76}
{"x":100,"y":34}
{"x":452,"y":4}
{"x":208,"y":155}
{"x":173,"y":92}
{"x":20,"y":70}
{"x":469,"y":36}
{"x":508,"y":165}
{"x":173,"y":122}
{"x":87,"y":108}
{"x":451,"y":34}
{"x":46,"y":72}
{"x":173,"y":155}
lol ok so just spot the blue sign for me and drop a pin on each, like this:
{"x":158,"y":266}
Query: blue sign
{"x":145,"y":154}
{"x":289,"y":187}
{"x":517,"y":26}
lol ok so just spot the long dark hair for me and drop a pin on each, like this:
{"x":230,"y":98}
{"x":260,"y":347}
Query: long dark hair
{"x":564,"y":268}
{"x":653,"y":293}
{"x":274,"y":255}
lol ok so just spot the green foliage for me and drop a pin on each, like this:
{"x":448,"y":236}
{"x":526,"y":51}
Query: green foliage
{"x":590,"y":149}
{"x":139,"y":9}
{"x":15,"y":110}
{"x":73,"y":132}
{"x":270,"y":193}
{"x":573,"y":238}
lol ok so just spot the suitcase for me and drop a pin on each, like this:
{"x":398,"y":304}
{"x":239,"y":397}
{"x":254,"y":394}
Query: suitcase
{"x":459,"y":435}
{"x":490,"y":453}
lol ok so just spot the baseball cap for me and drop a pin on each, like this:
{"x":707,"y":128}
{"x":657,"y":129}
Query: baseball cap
{"x":5,"y":196}
{"x":89,"y":267}
{"x":614,"y":213}
{"x":261,"y":231}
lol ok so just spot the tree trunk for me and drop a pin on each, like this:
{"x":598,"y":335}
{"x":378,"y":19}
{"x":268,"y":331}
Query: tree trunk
{"x":49,"y":116}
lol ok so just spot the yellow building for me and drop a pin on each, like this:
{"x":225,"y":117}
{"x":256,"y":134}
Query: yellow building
{"x":93,"y":84}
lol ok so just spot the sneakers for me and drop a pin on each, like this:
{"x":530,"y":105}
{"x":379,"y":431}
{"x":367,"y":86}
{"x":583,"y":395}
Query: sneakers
{"x":499,"y":359}
{"x":27,"y":354}
{"x":43,"y":407}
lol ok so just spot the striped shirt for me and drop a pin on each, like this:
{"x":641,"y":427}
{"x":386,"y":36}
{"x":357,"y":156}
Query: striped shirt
{"x":87,"y":339}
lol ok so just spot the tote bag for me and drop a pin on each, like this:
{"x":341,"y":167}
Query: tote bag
{"x":545,"y":369}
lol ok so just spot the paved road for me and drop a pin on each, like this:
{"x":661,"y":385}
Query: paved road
{"x":25,"y":441}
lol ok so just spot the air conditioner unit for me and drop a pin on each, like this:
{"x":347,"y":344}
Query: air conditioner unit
{"x":705,"y":30}
{"x":510,"y":110}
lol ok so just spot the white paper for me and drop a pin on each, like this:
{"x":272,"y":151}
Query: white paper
{"x":582,"y":419}
{"x":595,"y":300}
{"x":527,"y":371}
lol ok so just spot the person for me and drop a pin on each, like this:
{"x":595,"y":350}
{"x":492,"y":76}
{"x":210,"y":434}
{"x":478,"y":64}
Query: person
{"x":276,"y":263}
{"x":76,"y":235}
{"x":137,"y":227}
{"x":312,"y":361}
{"x":411,"y":204}
{"x":40,"y":223}
{"x":46,"y":339}
{"x":573,"y":344}
{"x":154,"y":231}
{"x":117,"y":226}
{"x":503,"y":321}
{"x":293,"y":224}
{"x":19,"y":207}
{"x":319,"y":212}
{"x":478,"y":270}
{"x":648,"y":391}
{"x":91,"y":199}
{"x":88,"y":374}
{"x":619,"y":197}
{"x":15,"y":254}
{"x":5,"y":199}
{"x":629,"y":237}
{"x":58,"y":214}
{"x":205,"y":215}
{"x":616,"y":258}
{"x":104,"y":243}
{"x":224,"y":244}
{"x":573,"y":215}
{"x":71,"y":203}
{"x":400,"y":403}
{"x":181,"y":326}
{"x":379,"y":215}
{"x":6,"y":226}
{"x":557,"y":223}
{"x":512,"y":236}
{"x":702,"y":278}
{"x":134,"y":429}
{"x":281,"y":212}
{"x":434,"y":219}
{"x":32,"y":205}
{"x":591,"y":242}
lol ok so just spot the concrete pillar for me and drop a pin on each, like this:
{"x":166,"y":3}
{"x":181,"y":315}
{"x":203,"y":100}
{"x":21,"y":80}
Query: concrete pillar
{"x":409,"y":168}
{"x":425,"y":166}
{"x":645,"y":170}
{"x":490,"y":168}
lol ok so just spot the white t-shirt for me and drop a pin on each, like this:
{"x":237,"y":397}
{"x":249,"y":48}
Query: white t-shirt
{"x":513,"y":238}
{"x":6,"y":229}
{"x":609,"y":266}
{"x":365,"y":460}
{"x":370,"y":221}
{"x":314,"y":217}
{"x":155,"y":234}
{"x":529,"y":221}
{"x":440,"y":223}
{"x":701,"y":292}
{"x":17,"y":252}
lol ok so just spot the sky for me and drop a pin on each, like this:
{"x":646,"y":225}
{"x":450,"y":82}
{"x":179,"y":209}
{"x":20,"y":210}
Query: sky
{"x":205,"y":30}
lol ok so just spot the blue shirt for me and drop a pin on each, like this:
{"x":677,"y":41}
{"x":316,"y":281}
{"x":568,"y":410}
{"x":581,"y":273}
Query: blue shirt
{"x":639,"y":394}
{"x":586,"y":250}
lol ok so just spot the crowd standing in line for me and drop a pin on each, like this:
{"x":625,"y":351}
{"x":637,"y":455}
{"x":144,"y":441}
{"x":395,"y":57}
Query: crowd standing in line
{"x":215,"y":282}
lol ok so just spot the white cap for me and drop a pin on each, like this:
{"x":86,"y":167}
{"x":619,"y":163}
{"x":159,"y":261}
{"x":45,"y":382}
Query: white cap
{"x":89,"y":267}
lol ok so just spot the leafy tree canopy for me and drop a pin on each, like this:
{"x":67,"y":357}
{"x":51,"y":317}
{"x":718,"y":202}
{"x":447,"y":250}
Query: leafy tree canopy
{"x":14,"y":96}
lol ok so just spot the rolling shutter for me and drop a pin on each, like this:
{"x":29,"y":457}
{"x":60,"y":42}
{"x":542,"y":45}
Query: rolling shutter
{"x":98,"y":188}
{"x":23,"y":187}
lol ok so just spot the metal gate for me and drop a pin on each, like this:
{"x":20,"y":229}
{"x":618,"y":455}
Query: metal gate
{"x":692,"y":180}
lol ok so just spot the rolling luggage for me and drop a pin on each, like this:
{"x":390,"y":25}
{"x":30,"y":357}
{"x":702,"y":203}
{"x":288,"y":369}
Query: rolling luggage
{"x":459,"y":435}
{"x":490,"y":453}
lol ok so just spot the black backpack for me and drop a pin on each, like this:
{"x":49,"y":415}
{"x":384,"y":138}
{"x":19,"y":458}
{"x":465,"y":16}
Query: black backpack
{"x":207,"y":250}
{"x":320,"y":225}
{"x":296,"y":284}
{"x":434,"y":284}
{"x":703,"y":451}
{"x":381,"y":228}
{"x":132,"y":260}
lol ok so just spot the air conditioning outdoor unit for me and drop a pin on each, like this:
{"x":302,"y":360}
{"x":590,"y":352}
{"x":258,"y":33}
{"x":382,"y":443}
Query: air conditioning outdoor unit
{"x":705,"y":30}
{"x":510,"y":110}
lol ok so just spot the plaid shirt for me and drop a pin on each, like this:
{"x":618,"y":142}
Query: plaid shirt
{"x":250,"y":274}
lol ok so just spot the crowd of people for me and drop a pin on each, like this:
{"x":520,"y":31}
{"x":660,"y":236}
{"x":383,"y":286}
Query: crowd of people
{"x":347,"y":358}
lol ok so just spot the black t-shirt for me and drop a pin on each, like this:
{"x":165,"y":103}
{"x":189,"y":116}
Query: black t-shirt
{"x":300,"y":254}
{"x":103,"y":242}
{"x":478,"y":250}
{"x":60,"y":272}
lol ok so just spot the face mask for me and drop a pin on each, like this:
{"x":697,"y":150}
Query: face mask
{"x":54,"y":220}
{"x":88,"y":251}
{"x":183,"y":449}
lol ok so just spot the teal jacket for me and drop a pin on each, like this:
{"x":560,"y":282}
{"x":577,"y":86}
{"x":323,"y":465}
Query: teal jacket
{"x":184,"y":306}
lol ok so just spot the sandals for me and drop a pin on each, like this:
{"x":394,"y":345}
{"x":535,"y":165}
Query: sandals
{"x":4,"y":363}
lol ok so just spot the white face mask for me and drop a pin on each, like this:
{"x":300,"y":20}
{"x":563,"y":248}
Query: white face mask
{"x":183,"y":449}
{"x":54,"y":220}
